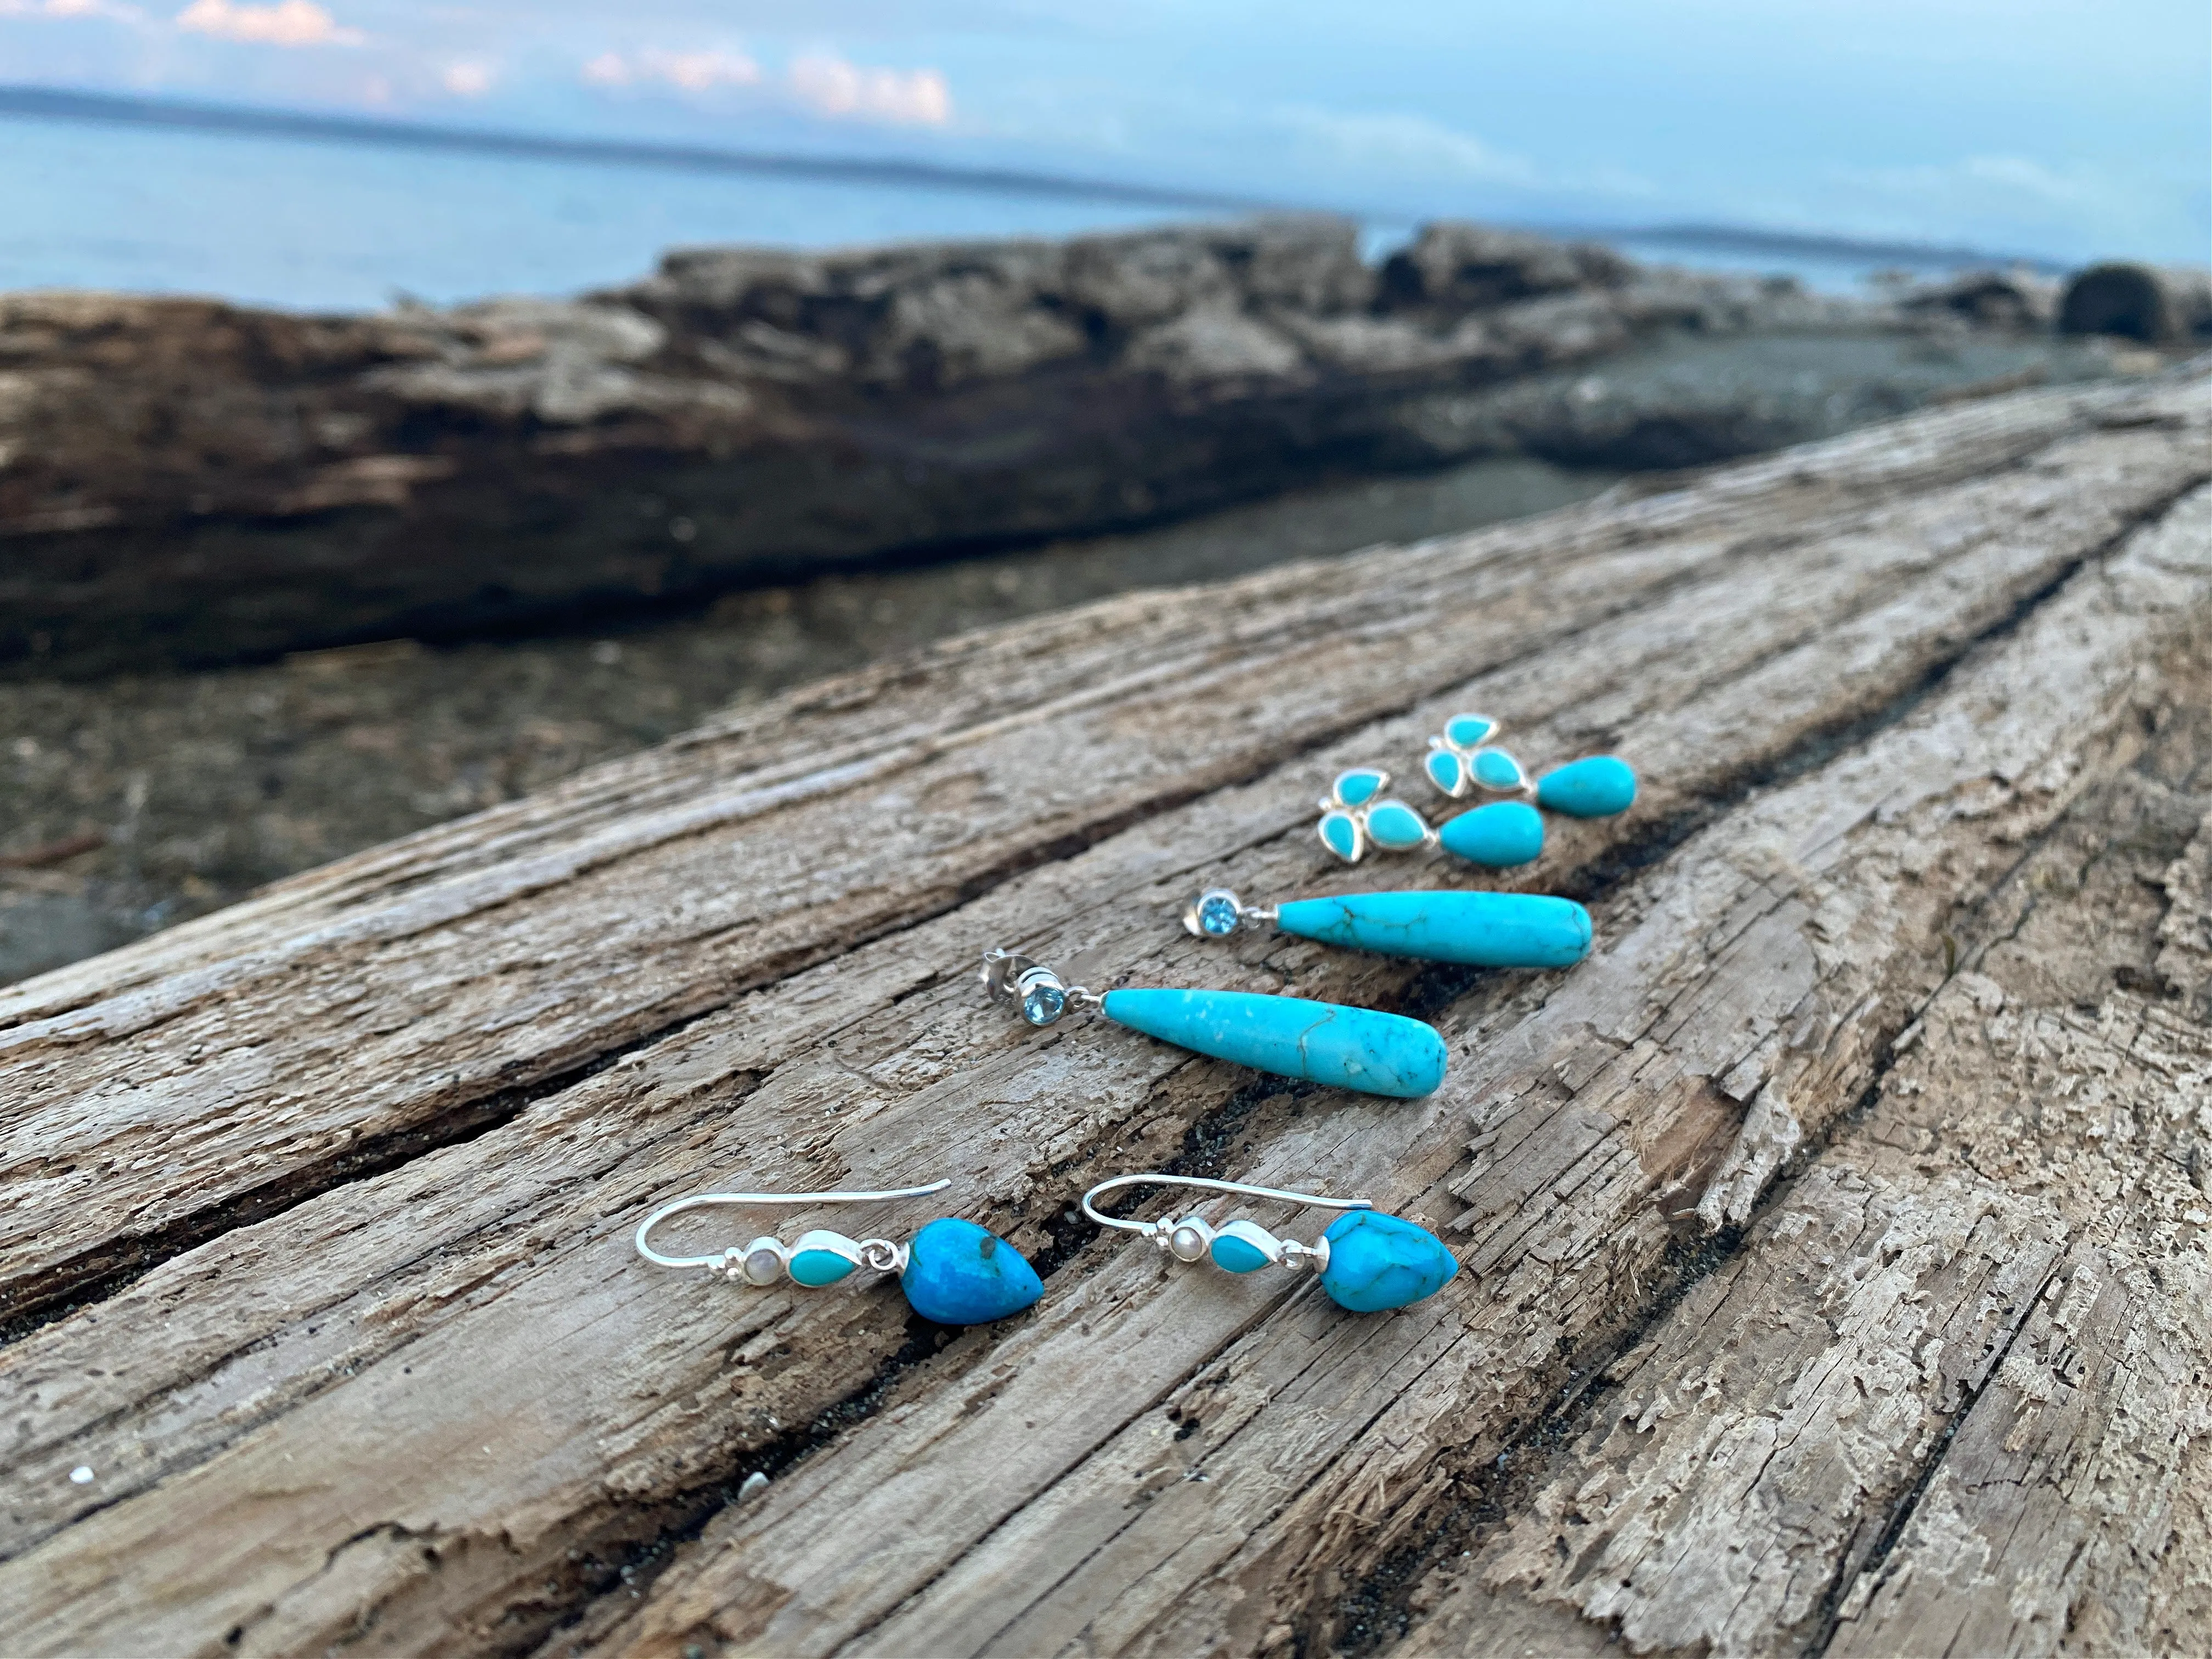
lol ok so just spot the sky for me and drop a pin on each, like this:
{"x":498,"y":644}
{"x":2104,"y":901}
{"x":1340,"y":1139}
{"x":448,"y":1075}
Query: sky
{"x":2064,"y":130}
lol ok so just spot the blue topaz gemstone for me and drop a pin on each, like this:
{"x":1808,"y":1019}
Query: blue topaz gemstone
{"x":1339,"y":833}
{"x":1594,"y":788}
{"x":1468,"y":730}
{"x":959,"y":1273}
{"x":1496,"y":769}
{"x":1377,"y":1261}
{"x":1357,"y":788}
{"x":1486,"y":930}
{"x":1374,"y":1052}
{"x":822,"y":1258}
{"x":1216,"y":915}
{"x":1501,"y":834}
{"x":1243,"y":1246}
{"x":1395,"y":827}
{"x":1446,"y":771}
{"x":1043,"y":1003}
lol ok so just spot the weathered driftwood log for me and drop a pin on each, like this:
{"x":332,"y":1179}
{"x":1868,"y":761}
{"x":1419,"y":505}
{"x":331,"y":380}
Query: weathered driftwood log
{"x":1834,"y":1238}
{"x":195,"y":481}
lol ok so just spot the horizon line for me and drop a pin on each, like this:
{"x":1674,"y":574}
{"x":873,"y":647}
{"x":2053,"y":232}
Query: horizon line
{"x":134,"y":110}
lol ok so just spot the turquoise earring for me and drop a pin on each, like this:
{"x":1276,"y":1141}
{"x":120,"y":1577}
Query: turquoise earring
{"x":1367,"y":1261}
{"x":1357,"y":1048}
{"x":1481,"y":930}
{"x":953,"y":1271}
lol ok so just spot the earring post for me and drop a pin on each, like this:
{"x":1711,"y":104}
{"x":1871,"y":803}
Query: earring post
{"x":1153,"y":1178}
{"x":703,"y":1201}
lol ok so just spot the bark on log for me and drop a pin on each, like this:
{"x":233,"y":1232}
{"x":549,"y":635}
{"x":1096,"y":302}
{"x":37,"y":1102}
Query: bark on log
{"x":1835,"y":1236}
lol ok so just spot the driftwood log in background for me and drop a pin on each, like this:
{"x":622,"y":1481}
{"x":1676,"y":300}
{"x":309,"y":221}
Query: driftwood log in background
{"x":1835,"y":1236}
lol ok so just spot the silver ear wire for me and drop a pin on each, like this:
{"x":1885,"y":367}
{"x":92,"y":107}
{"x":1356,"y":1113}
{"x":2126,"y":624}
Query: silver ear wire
{"x":1189,"y":1238}
{"x":766,"y":1260}
{"x":1038,"y":991}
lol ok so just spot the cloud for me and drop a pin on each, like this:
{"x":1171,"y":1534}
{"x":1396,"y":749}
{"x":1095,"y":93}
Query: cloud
{"x":830,"y":86}
{"x":466,"y":80}
{"x":1406,"y":144}
{"x":287,"y":23}
{"x":693,"y":71}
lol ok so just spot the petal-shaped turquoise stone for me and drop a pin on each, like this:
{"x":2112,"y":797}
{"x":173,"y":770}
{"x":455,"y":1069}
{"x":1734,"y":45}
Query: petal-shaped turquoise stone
{"x":1445,"y":770}
{"x":1466,"y":730}
{"x":959,"y":1273}
{"x":815,"y":1268}
{"x":1377,"y":1261}
{"x":1339,"y":833}
{"x":1357,"y":789}
{"x":1374,"y":1052}
{"x":1501,"y":834}
{"x":1488,"y":930}
{"x":1238,"y":1255}
{"x":1593,"y":788}
{"x":1496,"y":769}
{"x":1394,"y":826}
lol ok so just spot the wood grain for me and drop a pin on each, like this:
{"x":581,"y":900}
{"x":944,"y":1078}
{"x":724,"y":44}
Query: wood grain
{"x":324,"y":1200}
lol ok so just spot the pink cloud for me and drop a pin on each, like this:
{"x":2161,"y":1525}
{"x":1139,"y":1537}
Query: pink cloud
{"x":831,"y":86}
{"x":287,"y":23}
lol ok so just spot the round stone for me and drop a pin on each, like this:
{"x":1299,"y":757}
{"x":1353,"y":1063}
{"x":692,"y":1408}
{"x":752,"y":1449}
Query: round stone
{"x":1043,"y":1003}
{"x":763,"y":1265}
{"x":1187,"y":1242}
{"x":1216,"y":915}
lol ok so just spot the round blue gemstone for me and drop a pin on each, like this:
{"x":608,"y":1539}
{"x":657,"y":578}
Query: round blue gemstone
{"x":1216,"y":916}
{"x":1377,"y":1261}
{"x":1043,"y":1004}
{"x":959,"y":1273}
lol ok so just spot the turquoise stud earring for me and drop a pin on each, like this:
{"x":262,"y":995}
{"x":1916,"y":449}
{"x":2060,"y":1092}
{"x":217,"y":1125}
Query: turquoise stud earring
{"x":1358,"y":815}
{"x":1367,"y":1261}
{"x":1464,"y":759}
{"x":953,"y":1271}
{"x":1357,"y":1048}
{"x":1482,"y":930}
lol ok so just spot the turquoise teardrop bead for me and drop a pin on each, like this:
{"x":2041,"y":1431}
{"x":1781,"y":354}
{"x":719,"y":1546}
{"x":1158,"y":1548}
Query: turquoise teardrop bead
{"x":815,"y":1268}
{"x":1594,"y":788}
{"x":1377,"y":1261}
{"x":1445,"y":771}
{"x":1486,"y":930}
{"x":1496,"y":769}
{"x":1374,"y":1052}
{"x":1469,"y":730}
{"x":1396,"y":826}
{"x":1499,"y":836}
{"x":1238,"y":1255}
{"x":959,"y":1273}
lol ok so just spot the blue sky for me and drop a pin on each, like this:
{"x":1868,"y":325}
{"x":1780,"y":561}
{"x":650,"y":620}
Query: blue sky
{"x":2063,"y":130}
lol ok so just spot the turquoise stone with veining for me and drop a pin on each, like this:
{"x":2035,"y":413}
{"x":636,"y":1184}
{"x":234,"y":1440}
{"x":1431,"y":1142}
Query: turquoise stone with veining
{"x":1484,"y":930}
{"x":959,"y":1273}
{"x":1467,"y":730}
{"x":1340,"y":835}
{"x":1377,"y":1261}
{"x":1593,"y":788}
{"x":1374,"y":1052}
{"x":1357,"y":789}
{"x":1499,"y":836}
{"x":1445,"y":770}
{"x":1395,"y":826}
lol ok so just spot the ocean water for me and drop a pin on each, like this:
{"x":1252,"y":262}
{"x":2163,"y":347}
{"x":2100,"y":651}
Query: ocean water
{"x":330,"y":223}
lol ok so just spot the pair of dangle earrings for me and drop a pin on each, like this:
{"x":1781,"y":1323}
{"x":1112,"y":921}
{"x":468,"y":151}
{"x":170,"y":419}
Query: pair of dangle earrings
{"x":1461,"y":761}
{"x":955,"y":1273}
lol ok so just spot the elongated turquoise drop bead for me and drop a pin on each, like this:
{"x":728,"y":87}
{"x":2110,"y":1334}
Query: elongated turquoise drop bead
{"x":1499,"y":836}
{"x":1484,"y":930}
{"x":1594,"y":788}
{"x":1376,"y":1054}
{"x":1377,"y":1261}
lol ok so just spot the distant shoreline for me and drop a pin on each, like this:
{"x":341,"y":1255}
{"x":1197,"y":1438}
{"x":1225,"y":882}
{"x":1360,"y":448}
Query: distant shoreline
{"x":115,"y":110}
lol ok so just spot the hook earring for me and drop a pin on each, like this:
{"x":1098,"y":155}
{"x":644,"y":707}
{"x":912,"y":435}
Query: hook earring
{"x":1482,"y":930}
{"x":1367,"y":1261}
{"x":1359,"y":1049}
{"x":953,"y":1271}
{"x":1464,"y":759}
